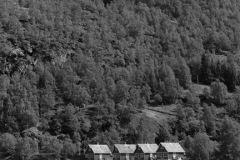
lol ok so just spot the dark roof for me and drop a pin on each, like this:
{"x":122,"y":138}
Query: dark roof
{"x":125,"y":148}
{"x":148,"y":148}
{"x":99,"y":148}
{"x":173,"y":147}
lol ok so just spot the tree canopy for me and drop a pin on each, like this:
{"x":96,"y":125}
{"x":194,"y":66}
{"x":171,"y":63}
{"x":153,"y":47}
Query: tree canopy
{"x":74,"y":72}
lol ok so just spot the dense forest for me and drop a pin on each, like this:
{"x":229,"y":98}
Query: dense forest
{"x":74,"y":72}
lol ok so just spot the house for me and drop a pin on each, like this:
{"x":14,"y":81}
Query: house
{"x":145,"y":151}
{"x":98,"y":152}
{"x":170,"y":151}
{"x":124,"y":151}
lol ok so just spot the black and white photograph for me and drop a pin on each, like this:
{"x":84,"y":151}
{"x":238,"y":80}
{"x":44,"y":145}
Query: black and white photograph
{"x":119,"y":79}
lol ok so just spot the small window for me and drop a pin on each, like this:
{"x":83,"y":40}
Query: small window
{"x":162,"y":155}
{"x":165,"y":155}
{"x":117,"y":156}
{"x":91,"y":156}
{"x":139,"y":156}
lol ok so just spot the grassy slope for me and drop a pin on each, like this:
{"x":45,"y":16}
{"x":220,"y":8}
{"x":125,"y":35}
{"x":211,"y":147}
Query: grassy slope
{"x":161,"y":114}
{"x":167,"y":113}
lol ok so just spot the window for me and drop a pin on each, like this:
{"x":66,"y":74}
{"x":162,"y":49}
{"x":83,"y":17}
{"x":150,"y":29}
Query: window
{"x":91,"y":156}
{"x":162,"y":155}
{"x":131,"y":156}
{"x":139,"y":155}
{"x":117,"y":156}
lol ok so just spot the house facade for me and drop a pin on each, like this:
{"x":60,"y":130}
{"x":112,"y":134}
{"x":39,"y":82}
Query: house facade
{"x":165,"y":151}
{"x":145,"y":151}
{"x":124,"y":151}
{"x":98,"y":152}
{"x":170,"y":151}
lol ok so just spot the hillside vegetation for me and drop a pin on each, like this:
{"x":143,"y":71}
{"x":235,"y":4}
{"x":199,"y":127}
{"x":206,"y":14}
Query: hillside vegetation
{"x":74,"y":72}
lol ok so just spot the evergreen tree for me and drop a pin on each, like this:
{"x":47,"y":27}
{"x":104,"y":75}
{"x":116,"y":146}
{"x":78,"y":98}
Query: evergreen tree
{"x":185,"y":79}
{"x":205,"y":72}
{"x":230,"y":76}
{"x":218,"y":73}
{"x":209,"y":120}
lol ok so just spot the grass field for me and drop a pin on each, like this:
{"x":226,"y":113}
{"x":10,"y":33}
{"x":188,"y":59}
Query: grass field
{"x":161,"y":114}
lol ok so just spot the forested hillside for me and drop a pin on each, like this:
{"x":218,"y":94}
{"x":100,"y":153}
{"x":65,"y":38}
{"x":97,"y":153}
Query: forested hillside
{"x":74,"y":72}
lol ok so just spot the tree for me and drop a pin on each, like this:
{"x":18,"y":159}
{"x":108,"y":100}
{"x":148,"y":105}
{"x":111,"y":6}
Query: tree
{"x":192,"y":99}
{"x":168,"y":84}
{"x":8,"y":143}
{"x":144,"y":133}
{"x":209,"y":120}
{"x":182,"y":123}
{"x":236,"y":104}
{"x":135,"y":28}
{"x":205,"y":71}
{"x":158,"y":98}
{"x":80,"y":95}
{"x":218,"y":91}
{"x":108,"y":137}
{"x":202,"y":147}
{"x":46,"y":100}
{"x":163,"y":135}
{"x":69,"y":149}
{"x":4,"y":83}
{"x":230,"y":73}
{"x":183,"y":73}
{"x":229,"y":140}
{"x":124,"y":114}
{"x":110,"y":87}
{"x":26,"y":148}
{"x":231,"y":106}
{"x":134,"y":97}
{"x":121,"y":91}
{"x":171,"y":87}
{"x":146,"y":92}
{"x":51,"y":146}
{"x":187,"y":144}
{"x":69,"y":120}
{"x":218,"y":71}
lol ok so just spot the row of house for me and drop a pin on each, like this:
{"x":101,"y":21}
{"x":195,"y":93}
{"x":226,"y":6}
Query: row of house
{"x":163,"y":151}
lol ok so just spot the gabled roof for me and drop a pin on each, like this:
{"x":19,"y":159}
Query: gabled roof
{"x":99,"y":148}
{"x":173,"y":147}
{"x":125,"y":148}
{"x":148,"y":148}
